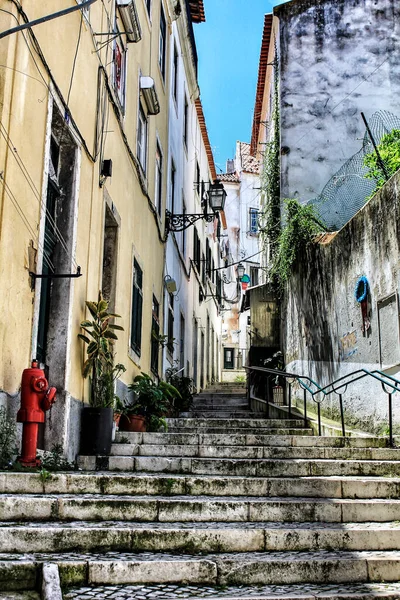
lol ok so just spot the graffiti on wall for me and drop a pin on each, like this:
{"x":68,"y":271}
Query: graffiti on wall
{"x":348,"y":345}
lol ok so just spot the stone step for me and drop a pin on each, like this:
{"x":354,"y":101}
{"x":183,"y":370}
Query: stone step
{"x":87,"y":536}
{"x":199,"y":509}
{"x":227,"y":424}
{"x":211,"y":451}
{"x":259,"y":568}
{"x":244,"y":431}
{"x":21,"y":595}
{"x":346,"y":591}
{"x":219,"y":399}
{"x":161,"y":484}
{"x":196,"y":413}
{"x":300,"y":467}
{"x":243,"y":439}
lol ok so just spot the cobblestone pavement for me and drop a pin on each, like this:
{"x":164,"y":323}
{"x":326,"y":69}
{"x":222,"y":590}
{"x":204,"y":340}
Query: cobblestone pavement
{"x":243,"y":556}
{"x":201,"y":525}
{"x":168,"y":592}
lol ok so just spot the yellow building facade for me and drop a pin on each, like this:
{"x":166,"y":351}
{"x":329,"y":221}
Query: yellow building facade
{"x":84,"y":140}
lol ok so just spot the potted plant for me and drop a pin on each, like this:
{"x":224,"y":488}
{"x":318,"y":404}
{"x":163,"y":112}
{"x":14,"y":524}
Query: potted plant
{"x":186,"y":388}
{"x":152,"y":402}
{"x":97,"y":419}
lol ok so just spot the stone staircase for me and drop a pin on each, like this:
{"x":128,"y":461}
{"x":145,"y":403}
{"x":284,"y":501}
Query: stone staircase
{"x":223,"y":505}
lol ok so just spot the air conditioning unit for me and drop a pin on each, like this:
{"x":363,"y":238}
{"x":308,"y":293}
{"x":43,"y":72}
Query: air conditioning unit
{"x":130,"y":19}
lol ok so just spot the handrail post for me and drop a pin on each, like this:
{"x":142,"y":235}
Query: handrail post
{"x":290,"y":400}
{"x":342,"y":415}
{"x":305,"y":407}
{"x":391,"y":441}
{"x":267,"y":395}
{"x":319,"y":420}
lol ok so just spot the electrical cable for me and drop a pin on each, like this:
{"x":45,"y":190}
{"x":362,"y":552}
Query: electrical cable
{"x":35,"y":191}
{"x":74,"y":61}
{"x":24,"y":219}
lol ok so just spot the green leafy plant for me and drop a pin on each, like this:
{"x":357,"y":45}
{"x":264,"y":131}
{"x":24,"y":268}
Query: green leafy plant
{"x":270,"y":212}
{"x":54,"y":460}
{"x":99,"y":365}
{"x":152,"y":400}
{"x":301,"y":227}
{"x":44,"y":475}
{"x":389,"y":150}
{"x":8,"y":439}
{"x":185,"y":386}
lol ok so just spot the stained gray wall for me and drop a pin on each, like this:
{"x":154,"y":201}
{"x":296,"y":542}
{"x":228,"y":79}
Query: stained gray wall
{"x":338,"y":58}
{"x":322,"y":321}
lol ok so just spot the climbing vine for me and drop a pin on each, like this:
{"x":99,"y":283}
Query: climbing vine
{"x":301,"y":227}
{"x":389,"y":150}
{"x":270,"y":213}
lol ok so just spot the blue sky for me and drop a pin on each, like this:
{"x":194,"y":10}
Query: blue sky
{"x":228,"y":45}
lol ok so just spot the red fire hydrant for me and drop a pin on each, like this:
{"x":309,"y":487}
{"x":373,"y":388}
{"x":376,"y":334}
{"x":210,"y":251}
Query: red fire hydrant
{"x":36,"y":398}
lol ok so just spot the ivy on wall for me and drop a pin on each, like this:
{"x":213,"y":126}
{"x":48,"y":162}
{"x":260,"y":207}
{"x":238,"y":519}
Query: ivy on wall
{"x":301,"y":227}
{"x":270,"y":213}
{"x":389,"y":150}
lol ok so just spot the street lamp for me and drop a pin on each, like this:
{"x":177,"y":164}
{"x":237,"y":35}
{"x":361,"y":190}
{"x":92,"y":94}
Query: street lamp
{"x":240,"y":271}
{"x":216,"y":196}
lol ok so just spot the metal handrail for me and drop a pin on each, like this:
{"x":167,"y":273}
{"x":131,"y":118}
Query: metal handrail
{"x":390,"y":385}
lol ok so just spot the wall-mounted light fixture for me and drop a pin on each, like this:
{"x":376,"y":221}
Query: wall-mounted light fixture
{"x":130,"y":19}
{"x":216,"y":196}
{"x":148,"y":89}
{"x":240,"y":271}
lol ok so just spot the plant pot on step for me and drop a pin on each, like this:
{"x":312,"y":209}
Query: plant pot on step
{"x":96,"y":431}
{"x":132,"y":423}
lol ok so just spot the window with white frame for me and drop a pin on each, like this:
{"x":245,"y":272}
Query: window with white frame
{"x":137,"y":306}
{"x":148,"y":6}
{"x":172,"y":188}
{"x":185,"y":121}
{"x":118,"y":73}
{"x":158,"y":179}
{"x":174,"y":78}
{"x":253,"y":221}
{"x":141,"y":149}
{"x":162,"y":42}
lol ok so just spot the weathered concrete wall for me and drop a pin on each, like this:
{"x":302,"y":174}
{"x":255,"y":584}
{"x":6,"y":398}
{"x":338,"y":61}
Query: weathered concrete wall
{"x":338,"y":58}
{"x":322,"y":321}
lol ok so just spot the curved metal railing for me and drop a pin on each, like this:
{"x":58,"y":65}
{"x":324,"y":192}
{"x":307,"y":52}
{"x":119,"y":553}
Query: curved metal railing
{"x":318,"y":393}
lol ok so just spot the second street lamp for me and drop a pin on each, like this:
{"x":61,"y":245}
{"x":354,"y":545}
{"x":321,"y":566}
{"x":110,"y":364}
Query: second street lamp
{"x":216,"y":196}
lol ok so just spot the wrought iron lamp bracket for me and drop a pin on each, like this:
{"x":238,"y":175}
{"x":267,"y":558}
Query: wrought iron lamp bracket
{"x":183,"y":221}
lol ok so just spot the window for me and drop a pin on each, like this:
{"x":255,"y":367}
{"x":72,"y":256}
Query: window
{"x":186,"y":121}
{"x":158,"y":180}
{"x":183,"y":233}
{"x":148,"y":6}
{"x":137,"y":305}
{"x":203,"y":270}
{"x":172,"y":187}
{"x":142,"y":138}
{"x":162,"y":42}
{"x":253,"y":221}
{"x":208,"y":258}
{"x":196,"y":250}
{"x":174,"y":77}
{"x":253,"y":276}
{"x":155,"y":332}
{"x":119,"y":69}
{"x":197,"y":178}
{"x":170,"y":333}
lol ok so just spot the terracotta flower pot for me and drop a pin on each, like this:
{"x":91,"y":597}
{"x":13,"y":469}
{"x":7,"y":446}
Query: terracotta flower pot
{"x":132,"y":423}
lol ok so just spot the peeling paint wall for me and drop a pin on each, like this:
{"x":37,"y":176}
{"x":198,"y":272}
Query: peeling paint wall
{"x":338,"y":58}
{"x":322,"y":328}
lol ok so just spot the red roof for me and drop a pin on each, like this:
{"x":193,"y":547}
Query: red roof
{"x":197,"y":11}
{"x":206,"y":139}
{"x":262,"y":70}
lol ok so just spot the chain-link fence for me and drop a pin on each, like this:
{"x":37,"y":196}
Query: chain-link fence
{"x":347,"y":191}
